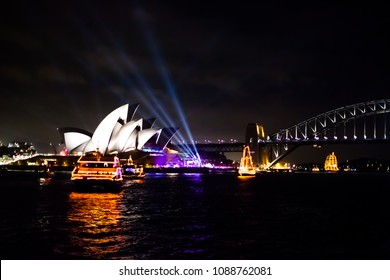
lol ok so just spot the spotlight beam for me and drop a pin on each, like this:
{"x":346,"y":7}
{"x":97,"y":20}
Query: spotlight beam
{"x":152,"y":45}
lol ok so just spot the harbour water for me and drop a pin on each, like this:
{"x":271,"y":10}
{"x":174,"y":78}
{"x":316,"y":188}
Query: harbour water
{"x":279,"y":216}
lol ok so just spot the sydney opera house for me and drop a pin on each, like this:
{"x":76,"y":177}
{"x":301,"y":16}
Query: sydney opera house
{"x":115,"y":134}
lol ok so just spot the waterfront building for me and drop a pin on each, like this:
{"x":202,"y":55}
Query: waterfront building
{"x":115,"y":134}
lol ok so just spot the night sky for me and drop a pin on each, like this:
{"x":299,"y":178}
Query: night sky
{"x":216,"y":64}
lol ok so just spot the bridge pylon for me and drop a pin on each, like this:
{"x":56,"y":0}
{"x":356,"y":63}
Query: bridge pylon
{"x":260,"y":153}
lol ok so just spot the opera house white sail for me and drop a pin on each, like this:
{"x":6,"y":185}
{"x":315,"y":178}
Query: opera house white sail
{"x":115,"y":134}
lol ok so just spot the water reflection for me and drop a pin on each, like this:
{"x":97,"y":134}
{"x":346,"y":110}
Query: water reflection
{"x":43,"y":181}
{"x":95,"y":219}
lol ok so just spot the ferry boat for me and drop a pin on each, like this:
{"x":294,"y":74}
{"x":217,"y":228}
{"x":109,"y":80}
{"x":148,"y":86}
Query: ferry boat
{"x":96,"y":172}
{"x":130,"y":170}
{"x":246,"y":168}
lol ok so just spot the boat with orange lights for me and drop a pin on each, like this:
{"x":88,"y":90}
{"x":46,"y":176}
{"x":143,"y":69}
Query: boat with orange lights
{"x":246,"y":168}
{"x":331,"y":163}
{"x":96,"y":172}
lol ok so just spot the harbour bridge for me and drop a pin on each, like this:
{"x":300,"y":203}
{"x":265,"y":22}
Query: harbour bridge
{"x":365,"y":122}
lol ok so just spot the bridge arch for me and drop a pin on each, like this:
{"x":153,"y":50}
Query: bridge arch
{"x":364,"y":122}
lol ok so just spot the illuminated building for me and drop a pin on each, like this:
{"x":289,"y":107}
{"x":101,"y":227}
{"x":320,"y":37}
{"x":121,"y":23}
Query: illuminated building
{"x":331,"y":163}
{"x":115,"y":135}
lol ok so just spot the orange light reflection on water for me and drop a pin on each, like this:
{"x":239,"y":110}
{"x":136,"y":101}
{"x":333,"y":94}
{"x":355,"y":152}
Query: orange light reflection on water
{"x":95,"y":218}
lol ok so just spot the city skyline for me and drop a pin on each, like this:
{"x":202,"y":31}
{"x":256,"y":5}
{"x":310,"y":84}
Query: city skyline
{"x":209,"y":69}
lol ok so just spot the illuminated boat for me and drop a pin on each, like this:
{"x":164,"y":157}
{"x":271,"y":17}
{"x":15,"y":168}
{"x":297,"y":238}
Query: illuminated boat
{"x":130,"y":170}
{"x":246,"y":168}
{"x":95,"y":172}
{"x":331,"y":163}
{"x":315,"y":168}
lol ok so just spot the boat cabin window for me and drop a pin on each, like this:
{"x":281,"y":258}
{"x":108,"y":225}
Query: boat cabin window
{"x":97,"y":165}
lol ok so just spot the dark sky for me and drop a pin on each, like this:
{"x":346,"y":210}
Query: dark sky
{"x":217,"y":64}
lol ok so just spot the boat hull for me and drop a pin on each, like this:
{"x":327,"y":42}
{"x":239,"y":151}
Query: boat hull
{"x":246,"y":175}
{"x":134,"y":176}
{"x":91,"y":185}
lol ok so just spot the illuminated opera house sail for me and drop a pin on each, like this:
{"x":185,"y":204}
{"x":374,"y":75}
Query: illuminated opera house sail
{"x":115,"y":134}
